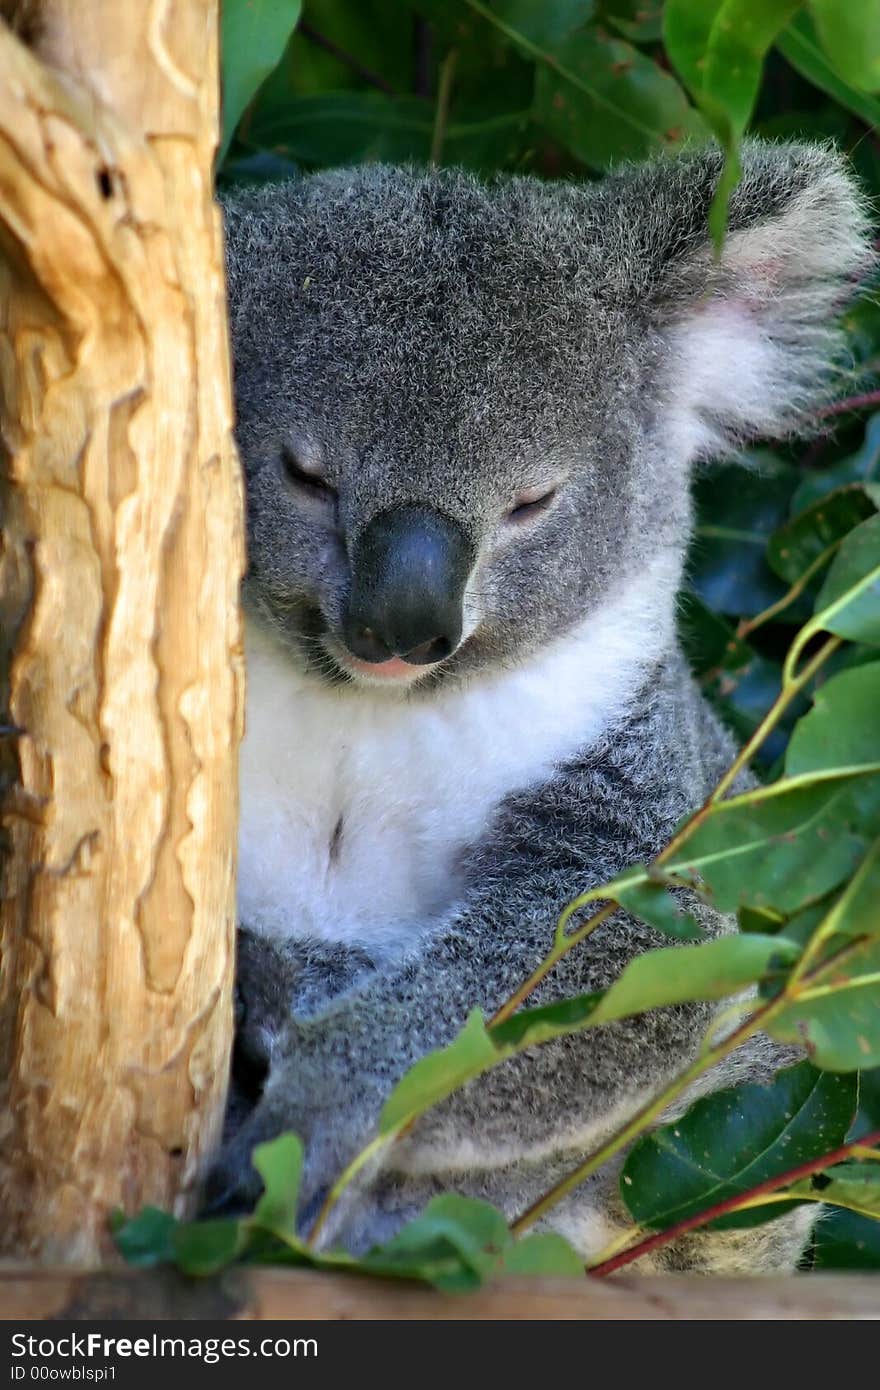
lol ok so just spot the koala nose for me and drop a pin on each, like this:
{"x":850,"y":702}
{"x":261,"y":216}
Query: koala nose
{"x":409,"y":571}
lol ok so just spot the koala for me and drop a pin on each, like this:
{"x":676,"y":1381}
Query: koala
{"x":468,"y":414}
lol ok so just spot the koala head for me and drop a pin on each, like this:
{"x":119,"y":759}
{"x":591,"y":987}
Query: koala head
{"x":467,"y":411}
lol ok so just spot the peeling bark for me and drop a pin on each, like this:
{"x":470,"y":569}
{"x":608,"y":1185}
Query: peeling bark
{"x":120,"y":559}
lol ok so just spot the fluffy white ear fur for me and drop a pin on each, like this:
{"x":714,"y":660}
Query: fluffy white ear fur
{"x":757,"y":353}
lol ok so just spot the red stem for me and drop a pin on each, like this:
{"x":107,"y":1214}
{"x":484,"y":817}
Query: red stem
{"x":690,"y":1223}
{"x":851,"y":403}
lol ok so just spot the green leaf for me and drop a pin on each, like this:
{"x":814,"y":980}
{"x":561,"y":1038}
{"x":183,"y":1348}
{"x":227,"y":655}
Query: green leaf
{"x":204,"y":1247}
{"x":279,"y":1163}
{"x":638,"y":20}
{"x":254,"y":35}
{"x":851,"y":1185}
{"x":841,"y":730}
{"x":146,"y":1239}
{"x":802,"y":926}
{"x":780,"y":846}
{"x":868,"y":1118}
{"x":813,"y":534}
{"x":600,"y":97}
{"x":740,"y":684}
{"x":709,"y":640}
{"x":845,"y":1240}
{"x":733,"y":1140}
{"x":861,"y":467}
{"x":605,"y":101}
{"x":331,"y":128}
{"x":543,"y":24}
{"x":742,"y":698}
{"x":656,"y":905}
{"x":850,"y":34}
{"x":739,"y":506}
{"x":672,"y":975}
{"x":528,"y":1027}
{"x":848,"y":603}
{"x":369,"y":36}
{"x":718,"y":48}
{"x":456,"y":1244}
{"x":837,"y":1019}
{"x":439,"y":1074}
{"x":543,"y":1254}
{"x":799,"y":46}
{"x":668,"y":975}
{"x":762,"y":920}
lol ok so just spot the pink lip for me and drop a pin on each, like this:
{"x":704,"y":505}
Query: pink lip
{"x":393,"y":669}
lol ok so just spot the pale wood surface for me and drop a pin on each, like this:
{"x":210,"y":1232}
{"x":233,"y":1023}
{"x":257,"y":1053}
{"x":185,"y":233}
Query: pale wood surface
{"x":258,"y":1295}
{"x":119,"y":568}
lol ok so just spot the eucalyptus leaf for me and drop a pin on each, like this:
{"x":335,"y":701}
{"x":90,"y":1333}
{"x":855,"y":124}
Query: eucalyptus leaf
{"x":544,"y":1254}
{"x":641,"y":21}
{"x":845,"y":1240}
{"x":456,"y":1244}
{"x":780,"y":846}
{"x":146,"y":1239}
{"x":861,"y":467}
{"x":668,"y":975}
{"x":761,"y":919}
{"x":848,"y":603}
{"x":657,"y":906}
{"x":279,"y":1163}
{"x":343,"y":127}
{"x":742,"y":698}
{"x":733,"y":1140}
{"x":849,"y":31}
{"x":853,"y":1186}
{"x":843,"y":727}
{"x":204,"y":1247}
{"x":740,"y":683}
{"x":254,"y":35}
{"x":803,"y":925}
{"x":868,"y":1118}
{"x":800,"y":46}
{"x":814,"y":533}
{"x":837,"y":1018}
{"x":710,"y":641}
{"x":544,"y":24}
{"x":718,"y":47}
{"x":606,"y":101}
{"x":739,"y":506}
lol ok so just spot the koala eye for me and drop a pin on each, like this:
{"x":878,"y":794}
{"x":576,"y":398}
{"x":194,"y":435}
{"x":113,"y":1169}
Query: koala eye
{"x":305,"y":482}
{"x":531,"y":502}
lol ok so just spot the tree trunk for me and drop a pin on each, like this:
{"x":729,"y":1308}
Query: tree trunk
{"x":119,"y":567}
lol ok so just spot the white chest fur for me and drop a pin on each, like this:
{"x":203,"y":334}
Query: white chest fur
{"x":356,"y":805}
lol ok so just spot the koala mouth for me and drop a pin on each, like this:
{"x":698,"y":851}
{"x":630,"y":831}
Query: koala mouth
{"x":394,"y":672}
{"x":328,"y":657}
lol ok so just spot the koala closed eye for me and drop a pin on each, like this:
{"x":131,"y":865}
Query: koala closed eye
{"x":531,"y":503}
{"x":304,"y":481}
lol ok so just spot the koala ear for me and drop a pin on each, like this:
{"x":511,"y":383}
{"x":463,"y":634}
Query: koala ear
{"x":750,"y":342}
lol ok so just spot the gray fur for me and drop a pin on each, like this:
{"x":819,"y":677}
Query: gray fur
{"x":422,"y":337}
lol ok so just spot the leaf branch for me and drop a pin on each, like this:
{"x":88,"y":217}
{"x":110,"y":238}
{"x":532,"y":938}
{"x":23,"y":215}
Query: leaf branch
{"x":752,"y":1197}
{"x":863,"y":402}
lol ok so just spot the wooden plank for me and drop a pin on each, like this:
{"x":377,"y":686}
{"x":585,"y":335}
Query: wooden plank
{"x":266,"y":1294}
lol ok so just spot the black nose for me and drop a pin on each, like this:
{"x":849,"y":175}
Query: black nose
{"x":409,"y":571}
